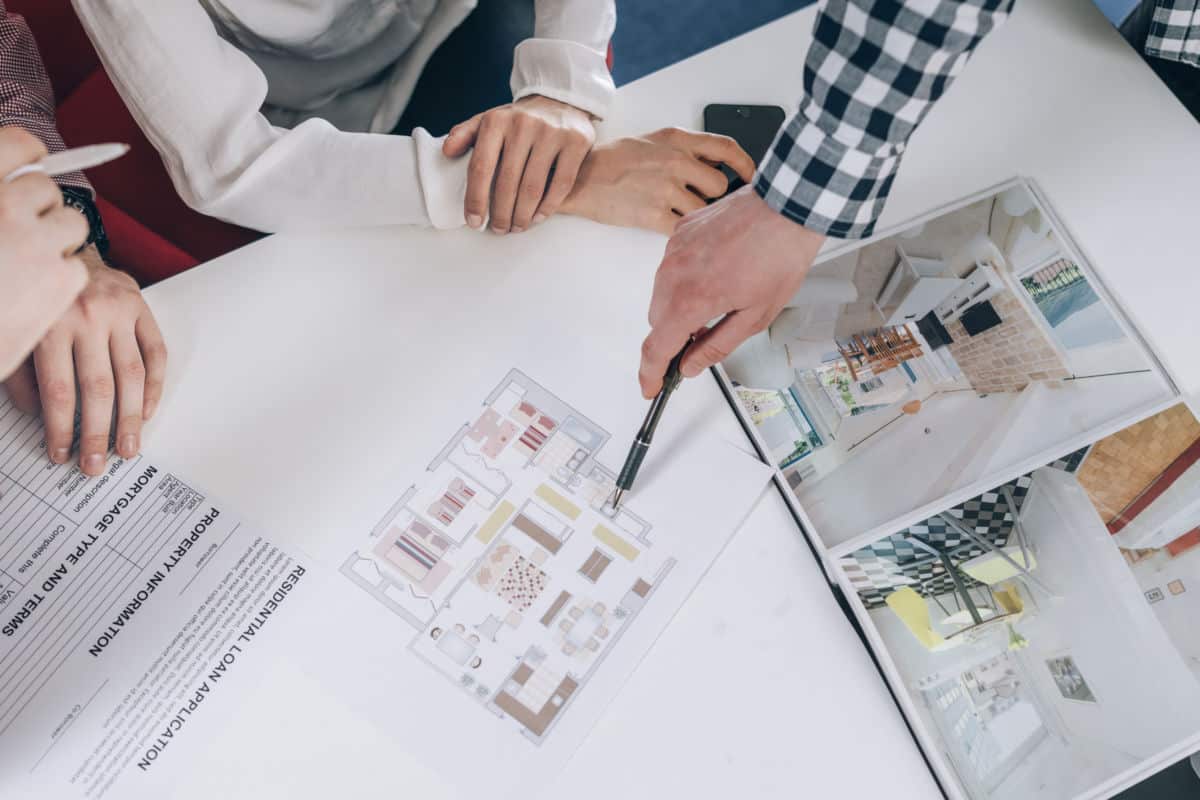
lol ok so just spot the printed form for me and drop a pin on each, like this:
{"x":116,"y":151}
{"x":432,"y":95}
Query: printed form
{"x":128,"y":604}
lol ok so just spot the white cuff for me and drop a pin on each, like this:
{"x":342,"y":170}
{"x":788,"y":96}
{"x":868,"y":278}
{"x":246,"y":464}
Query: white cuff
{"x":565,"y":71}
{"x":443,"y":181}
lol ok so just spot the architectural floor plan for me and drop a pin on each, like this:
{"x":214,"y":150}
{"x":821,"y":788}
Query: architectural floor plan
{"x":515,"y":575}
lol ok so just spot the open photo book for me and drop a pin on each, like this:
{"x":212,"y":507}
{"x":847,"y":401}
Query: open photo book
{"x":1003,"y":483}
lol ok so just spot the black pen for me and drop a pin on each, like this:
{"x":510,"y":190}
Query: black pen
{"x":641,"y":444}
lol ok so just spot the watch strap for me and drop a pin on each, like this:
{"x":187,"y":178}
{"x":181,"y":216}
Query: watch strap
{"x":82,"y":201}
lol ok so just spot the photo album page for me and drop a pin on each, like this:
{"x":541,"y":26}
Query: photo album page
{"x":1005,"y":483}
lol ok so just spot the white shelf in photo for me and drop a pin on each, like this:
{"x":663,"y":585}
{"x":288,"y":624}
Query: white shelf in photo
{"x":915,"y":287}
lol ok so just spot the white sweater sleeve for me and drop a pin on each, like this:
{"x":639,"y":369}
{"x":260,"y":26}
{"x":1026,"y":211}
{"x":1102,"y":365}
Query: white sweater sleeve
{"x":566,"y":58}
{"x":197,"y":98}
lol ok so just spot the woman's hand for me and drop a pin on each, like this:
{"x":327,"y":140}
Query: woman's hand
{"x":516,"y":147}
{"x":652,"y":181}
{"x":109,"y":346}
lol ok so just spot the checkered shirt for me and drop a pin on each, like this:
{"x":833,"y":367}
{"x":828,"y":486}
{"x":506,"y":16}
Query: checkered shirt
{"x":1175,"y":31}
{"x":874,"y":70}
{"x":26,"y":97}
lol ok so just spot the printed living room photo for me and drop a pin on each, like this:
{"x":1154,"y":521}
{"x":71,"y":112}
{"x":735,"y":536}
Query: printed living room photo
{"x":1042,"y":634}
{"x":974,"y":340}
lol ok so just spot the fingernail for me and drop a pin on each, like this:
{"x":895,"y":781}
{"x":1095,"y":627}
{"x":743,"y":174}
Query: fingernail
{"x":129,"y":446}
{"x":474,"y":220}
{"x":500,"y":231}
{"x":517,"y":229}
{"x":691,"y":371}
{"x":60,"y":455}
{"x":93,"y":463}
{"x":538,"y":219}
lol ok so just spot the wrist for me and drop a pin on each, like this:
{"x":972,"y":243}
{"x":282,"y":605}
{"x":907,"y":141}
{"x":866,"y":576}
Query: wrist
{"x":82,"y":201}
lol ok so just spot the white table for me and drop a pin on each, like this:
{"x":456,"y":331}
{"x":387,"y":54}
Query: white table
{"x":739,"y":697}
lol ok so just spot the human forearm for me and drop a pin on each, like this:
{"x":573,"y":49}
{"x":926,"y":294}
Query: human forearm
{"x":198,"y":98}
{"x":873,"y":72}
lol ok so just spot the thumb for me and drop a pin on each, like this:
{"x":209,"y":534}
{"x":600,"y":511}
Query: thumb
{"x":461,"y":137}
{"x":715,"y":344}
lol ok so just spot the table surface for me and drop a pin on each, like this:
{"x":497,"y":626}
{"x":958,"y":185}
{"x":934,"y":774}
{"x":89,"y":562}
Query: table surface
{"x":741,"y":696}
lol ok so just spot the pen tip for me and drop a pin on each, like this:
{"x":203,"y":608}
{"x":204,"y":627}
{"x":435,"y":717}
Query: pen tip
{"x":616,"y":501}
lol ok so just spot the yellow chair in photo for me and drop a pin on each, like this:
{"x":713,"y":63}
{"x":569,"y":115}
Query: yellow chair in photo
{"x":913,"y":611}
{"x":991,"y":568}
{"x":1008,"y":598}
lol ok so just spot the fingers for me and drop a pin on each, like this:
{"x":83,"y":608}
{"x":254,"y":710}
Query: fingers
{"x":154,"y":357}
{"x":721,"y":149}
{"x":713,"y":346}
{"x":22,"y":388}
{"x":56,"y":384}
{"x":566,"y":172}
{"x":67,"y":228}
{"x":708,"y":181}
{"x":482,"y":169}
{"x":683,"y":201}
{"x":461,"y":137}
{"x":663,"y":344}
{"x":130,"y":373}
{"x":663,"y":221}
{"x":18,"y":148}
{"x":97,"y":389}
{"x":39,"y":194}
{"x":517,"y":148}
{"x":533,"y":185}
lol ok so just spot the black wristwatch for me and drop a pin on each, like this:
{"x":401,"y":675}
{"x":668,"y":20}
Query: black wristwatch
{"x":81,"y":200}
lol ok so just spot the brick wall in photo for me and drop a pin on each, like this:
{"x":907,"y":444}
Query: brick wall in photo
{"x":1010,"y":356}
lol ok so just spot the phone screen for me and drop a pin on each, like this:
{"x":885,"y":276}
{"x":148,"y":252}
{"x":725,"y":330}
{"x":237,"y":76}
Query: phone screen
{"x":752,"y":127}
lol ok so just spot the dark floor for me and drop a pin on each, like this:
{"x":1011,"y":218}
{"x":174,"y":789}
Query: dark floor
{"x":656,"y":34}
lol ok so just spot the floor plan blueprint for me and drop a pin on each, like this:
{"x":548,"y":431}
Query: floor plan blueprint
{"x":505,"y":560}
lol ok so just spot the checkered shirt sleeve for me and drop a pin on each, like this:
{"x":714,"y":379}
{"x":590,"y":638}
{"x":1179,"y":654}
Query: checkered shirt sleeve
{"x":874,"y":70}
{"x":26,"y":97}
{"x":1175,"y":31}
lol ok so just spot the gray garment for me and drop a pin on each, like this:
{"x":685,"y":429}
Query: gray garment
{"x":332,"y":62}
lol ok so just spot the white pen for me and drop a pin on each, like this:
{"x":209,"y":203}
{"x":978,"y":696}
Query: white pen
{"x":73,"y":160}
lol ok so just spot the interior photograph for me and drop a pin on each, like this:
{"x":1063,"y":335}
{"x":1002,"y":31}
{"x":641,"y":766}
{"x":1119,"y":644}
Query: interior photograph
{"x":962,"y":346}
{"x":1042,"y":650}
{"x":1144,"y":482}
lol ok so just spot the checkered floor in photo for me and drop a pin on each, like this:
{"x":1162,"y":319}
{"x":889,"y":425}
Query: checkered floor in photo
{"x":883,"y":566}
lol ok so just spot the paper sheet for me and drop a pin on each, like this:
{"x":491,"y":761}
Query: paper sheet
{"x":133,"y":610}
{"x":498,"y":605}
{"x":483,"y":624}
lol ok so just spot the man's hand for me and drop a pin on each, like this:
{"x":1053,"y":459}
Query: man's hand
{"x":517,"y":146}
{"x":737,"y":258}
{"x":38,"y":276}
{"x":109,"y":346}
{"x":652,"y":181}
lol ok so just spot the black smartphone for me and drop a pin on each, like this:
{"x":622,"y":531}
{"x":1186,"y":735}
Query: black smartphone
{"x":753,"y":127}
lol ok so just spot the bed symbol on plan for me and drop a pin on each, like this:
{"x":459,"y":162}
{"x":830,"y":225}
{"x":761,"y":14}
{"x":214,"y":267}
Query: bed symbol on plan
{"x":512,"y":575}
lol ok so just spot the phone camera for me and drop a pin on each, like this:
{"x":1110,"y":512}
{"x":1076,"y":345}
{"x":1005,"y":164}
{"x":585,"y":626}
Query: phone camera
{"x":744,"y":113}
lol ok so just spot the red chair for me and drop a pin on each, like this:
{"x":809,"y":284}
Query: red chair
{"x":153,"y":233}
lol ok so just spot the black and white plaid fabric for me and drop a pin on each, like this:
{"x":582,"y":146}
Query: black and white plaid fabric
{"x":1175,"y":31}
{"x":874,"y":70}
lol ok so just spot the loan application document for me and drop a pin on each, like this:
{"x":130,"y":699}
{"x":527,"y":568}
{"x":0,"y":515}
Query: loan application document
{"x":133,"y":607}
